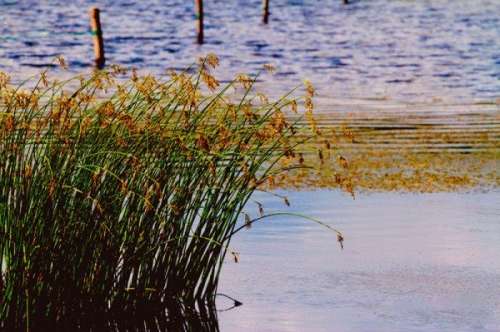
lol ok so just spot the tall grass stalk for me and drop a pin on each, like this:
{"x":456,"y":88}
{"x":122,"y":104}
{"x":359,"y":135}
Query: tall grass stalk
{"x":118,"y":193}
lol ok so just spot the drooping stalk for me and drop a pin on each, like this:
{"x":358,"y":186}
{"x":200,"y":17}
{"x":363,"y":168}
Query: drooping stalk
{"x":115,"y":193}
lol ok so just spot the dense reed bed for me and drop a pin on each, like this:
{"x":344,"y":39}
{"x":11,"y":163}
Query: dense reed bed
{"x":119,"y":193}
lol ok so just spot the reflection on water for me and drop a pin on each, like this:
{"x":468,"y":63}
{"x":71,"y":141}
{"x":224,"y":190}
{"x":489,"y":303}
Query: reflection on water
{"x":411,"y":262}
{"x":406,"y":50}
{"x":419,"y":149}
{"x":141,"y":318}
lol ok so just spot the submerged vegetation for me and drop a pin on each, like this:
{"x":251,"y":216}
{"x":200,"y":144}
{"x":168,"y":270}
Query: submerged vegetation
{"x":116,"y":192}
{"x":406,"y":152}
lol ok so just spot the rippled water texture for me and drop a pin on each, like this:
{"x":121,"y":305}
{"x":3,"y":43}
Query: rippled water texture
{"x":430,"y":73}
{"x":406,"y":50}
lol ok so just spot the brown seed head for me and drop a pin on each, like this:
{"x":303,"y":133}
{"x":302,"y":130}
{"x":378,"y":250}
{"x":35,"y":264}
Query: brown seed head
{"x":62,"y":62}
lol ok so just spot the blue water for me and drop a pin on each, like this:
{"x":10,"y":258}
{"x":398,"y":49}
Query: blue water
{"x":401,"y":50}
{"x":411,"y":263}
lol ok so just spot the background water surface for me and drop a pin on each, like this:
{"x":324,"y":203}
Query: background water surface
{"x":412,"y":262}
{"x":404,"y":50}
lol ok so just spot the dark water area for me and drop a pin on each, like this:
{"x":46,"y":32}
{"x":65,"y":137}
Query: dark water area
{"x":400,"y":50}
{"x":142,"y":316}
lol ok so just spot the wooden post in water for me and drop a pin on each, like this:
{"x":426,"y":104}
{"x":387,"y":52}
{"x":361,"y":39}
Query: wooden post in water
{"x":346,"y":2}
{"x":265,"y":11}
{"x":95,"y":30}
{"x":199,"y":20}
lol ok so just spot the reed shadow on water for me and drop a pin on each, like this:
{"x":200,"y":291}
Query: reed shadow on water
{"x":142,"y":317}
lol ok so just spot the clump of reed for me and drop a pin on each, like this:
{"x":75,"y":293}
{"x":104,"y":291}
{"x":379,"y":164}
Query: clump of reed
{"x":115,"y":193}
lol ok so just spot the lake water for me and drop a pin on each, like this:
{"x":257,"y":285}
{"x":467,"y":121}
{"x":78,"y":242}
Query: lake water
{"x":411,"y":262}
{"x":401,"y":50}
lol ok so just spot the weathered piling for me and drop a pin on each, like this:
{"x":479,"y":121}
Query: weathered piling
{"x":199,"y":20}
{"x":265,"y":11}
{"x":96,"y":31}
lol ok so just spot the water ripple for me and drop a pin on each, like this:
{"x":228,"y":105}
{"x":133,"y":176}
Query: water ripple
{"x":403,"y":50}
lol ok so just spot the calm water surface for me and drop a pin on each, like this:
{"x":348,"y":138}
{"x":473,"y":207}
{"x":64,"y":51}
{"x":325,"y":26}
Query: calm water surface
{"x":412,"y":262}
{"x":403,"y":50}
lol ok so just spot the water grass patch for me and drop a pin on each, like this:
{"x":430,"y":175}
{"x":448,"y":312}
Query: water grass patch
{"x":115,"y":193}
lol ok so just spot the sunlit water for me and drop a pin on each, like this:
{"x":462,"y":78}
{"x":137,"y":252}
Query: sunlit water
{"x":412,"y":262}
{"x":404,"y":50}
{"x":435,"y":64}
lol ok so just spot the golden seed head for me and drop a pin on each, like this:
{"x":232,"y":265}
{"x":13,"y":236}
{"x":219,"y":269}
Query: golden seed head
{"x":212,"y":60}
{"x":62,"y":62}
{"x":269,"y":68}
{"x":209,"y":81}
{"x":293,"y":105}
{"x":4,"y":80}
{"x":309,"y":88}
{"x":245,"y":80}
